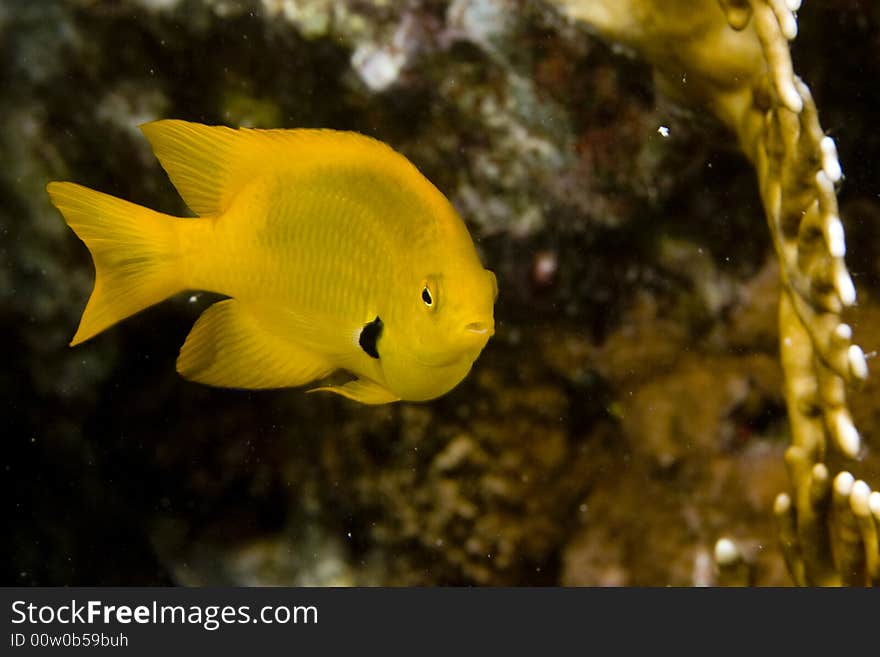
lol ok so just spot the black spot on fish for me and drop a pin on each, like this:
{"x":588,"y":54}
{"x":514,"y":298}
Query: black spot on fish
{"x":369,"y":336}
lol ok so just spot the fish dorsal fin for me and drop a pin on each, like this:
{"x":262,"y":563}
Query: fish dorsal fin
{"x":208,"y":164}
{"x":363,"y":391}
{"x":229,"y":348}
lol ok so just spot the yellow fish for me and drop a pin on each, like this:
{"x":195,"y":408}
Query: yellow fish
{"x":335,"y":251}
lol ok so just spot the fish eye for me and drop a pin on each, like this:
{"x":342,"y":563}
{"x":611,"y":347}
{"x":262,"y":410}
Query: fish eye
{"x":430,"y":292}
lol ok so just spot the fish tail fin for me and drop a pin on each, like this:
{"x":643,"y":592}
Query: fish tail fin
{"x":136,"y":253}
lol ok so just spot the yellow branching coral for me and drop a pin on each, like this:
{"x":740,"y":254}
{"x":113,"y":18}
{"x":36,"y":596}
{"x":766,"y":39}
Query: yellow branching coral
{"x":831,"y":539}
{"x":732,"y":58}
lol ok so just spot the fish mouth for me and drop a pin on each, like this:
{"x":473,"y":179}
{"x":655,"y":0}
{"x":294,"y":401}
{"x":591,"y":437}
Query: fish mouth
{"x":480,"y":328}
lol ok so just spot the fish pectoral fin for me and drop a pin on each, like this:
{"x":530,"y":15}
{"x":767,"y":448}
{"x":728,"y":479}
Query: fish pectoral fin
{"x":362,"y":390}
{"x":229,"y":348}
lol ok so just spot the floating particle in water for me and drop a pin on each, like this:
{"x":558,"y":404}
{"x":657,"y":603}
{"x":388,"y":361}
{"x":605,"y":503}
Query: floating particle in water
{"x":545,"y":266}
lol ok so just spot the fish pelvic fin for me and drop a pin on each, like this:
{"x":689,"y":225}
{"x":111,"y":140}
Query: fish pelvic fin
{"x":228,"y":347}
{"x":363,"y":391}
{"x":135,"y":251}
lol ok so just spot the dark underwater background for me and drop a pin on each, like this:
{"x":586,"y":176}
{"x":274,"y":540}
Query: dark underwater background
{"x":628,"y":411}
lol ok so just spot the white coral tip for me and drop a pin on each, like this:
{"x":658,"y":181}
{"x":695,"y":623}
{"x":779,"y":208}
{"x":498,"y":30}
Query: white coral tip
{"x":843,"y":332}
{"x":830,"y":163}
{"x":788,"y":25}
{"x":782,"y":504}
{"x":843,"y":484}
{"x":847,"y":436}
{"x":858,"y":365}
{"x":874,"y":504}
{"x":844,"y":286}
{"x":790,"y":97}
{"x":835,"y":238}
{"x":726,"y":552}
{"x":793,"y":5}
{"x":858,"y":499}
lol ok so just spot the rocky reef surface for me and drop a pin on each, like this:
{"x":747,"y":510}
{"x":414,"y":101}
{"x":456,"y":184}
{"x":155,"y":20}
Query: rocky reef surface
{"x":628,"y":411}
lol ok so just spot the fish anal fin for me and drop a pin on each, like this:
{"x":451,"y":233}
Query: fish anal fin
{"x":229,"y":348}
{"x":362,"y":390}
